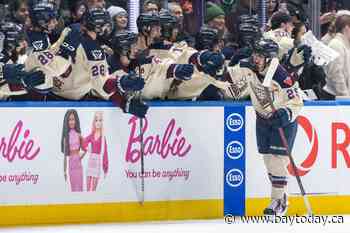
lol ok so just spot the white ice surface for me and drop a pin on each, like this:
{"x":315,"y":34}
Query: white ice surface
{"x":203,"y":226}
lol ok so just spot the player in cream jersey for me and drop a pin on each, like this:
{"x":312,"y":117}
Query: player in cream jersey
{"x":41,"y":54}
{"x":246,"y":79}
{"x":158,"y":73}
{"x":206,"y":63}
{"x":209,"y":67}
{"x":88,"y":69}
{"x":15,"y":83}
{"x":281,"y":29}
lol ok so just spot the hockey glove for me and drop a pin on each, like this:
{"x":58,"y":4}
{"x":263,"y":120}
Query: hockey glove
{"x":136,"y":107}
{"x":307,"y":53}
{"x":183,"y":72}
{"x":240,"y":54}
{"x":15,"y":74}
{"x":212,"y":63}
{"x":280,"y":118}
{"x":130,"y":82}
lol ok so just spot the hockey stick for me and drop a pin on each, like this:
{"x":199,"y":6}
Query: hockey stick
{"x":56,"y":46}
{"x":267,"y":84}
{"x":217,"y":83}
{"x":142,"y":151}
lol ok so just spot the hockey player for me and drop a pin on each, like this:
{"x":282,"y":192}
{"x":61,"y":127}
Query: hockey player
{"x":42,"y":55}
{"x":88,"y":68}
{"x":281,"y":29}
{"x":246,"y":79}
{"x":206,"y":63}
{"x":158,"y":71}
{"x":126,"y":82}
{"x":249,"y":32}
{"x":15,"y":83}
{"x":88,"y":77}
{"x":15,"y":45}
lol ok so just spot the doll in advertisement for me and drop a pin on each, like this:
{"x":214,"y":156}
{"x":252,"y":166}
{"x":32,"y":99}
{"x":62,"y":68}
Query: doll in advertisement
{"x":95,"y":143}
{"x":71,"y":144}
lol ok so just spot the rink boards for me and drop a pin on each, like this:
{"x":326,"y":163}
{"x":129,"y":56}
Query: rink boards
{"x":200,"y":162}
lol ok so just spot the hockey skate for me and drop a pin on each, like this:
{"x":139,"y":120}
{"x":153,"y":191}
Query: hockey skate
{"x":278,"y":207}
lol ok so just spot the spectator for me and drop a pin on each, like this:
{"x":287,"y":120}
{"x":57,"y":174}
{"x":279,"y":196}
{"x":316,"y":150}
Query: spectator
{"x":96,"y":3}
{"x":215,"y":18}
{"x":338,"y":71}
{"x":151,"y":6}
{"x":190,"y":25}
{"x":331,"y":28}
{"x":176,"y":10}
{"x":19,"y":13}
{"x":77,"y":9}
{"x":244,"y":7}
{"x":119,"y":18}
{"x":272,"y":7}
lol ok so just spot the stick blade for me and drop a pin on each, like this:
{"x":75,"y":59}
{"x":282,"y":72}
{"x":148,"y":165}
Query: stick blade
{"x":270,"y":72}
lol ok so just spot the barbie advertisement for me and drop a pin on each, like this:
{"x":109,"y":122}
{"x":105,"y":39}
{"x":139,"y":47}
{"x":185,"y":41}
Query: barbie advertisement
{"x":93,"y":155}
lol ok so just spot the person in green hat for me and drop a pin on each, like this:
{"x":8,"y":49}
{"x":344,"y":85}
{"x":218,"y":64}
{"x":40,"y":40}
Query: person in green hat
{"x":215,"y":17}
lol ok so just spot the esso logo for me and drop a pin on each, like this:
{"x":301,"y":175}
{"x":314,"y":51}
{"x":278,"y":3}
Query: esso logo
{"x":309,"y":161}
{"x":234,"y":150}
{"x":234,"y":178}
{"x":234,"y":122}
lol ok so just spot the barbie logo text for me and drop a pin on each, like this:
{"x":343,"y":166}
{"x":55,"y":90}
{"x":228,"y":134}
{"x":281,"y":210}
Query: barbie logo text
{"x":171,"y":142}
{"x":14,"y":147}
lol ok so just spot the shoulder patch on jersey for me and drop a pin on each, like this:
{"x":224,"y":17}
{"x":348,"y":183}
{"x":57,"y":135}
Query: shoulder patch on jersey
{"x":93,"y":50}
{"x":283,"y":78}
{"x":38,"y":41}
{"x":156,"y":60}
{"x":70,"y":44}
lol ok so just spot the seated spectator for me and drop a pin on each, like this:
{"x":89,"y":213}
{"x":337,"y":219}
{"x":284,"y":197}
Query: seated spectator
{"x":96,"y":3}
{"x":19,"y":13}
{"x":119,"y":18}
{"x":77,"y":9}
{"x":176,"y":11}
{"x":150,"y":6}
{"x":215,"y":18}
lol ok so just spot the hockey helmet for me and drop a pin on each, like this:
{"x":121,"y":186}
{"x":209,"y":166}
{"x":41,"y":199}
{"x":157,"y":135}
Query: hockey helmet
{"x":207,"y":38}
{"x":146,"y":20}
{"x":13,"y":35}
{"x":41,"y":14}
{"x":168,"y":23}
{"x":99,"y":21}
{"x":266,"y":47}
{"x":122,"y":41}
